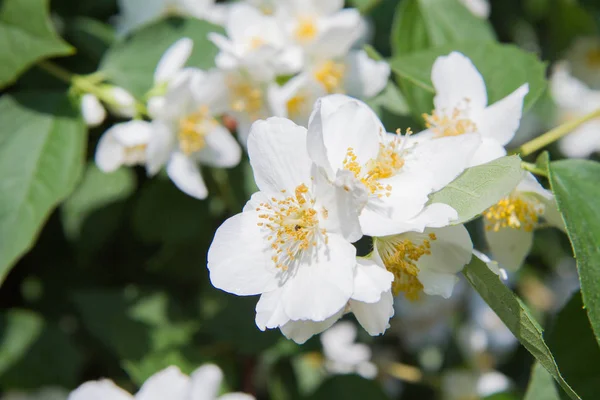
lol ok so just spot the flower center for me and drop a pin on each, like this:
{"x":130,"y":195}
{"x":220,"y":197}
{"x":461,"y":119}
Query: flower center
{"x":592,"y":57}
{"x":193,"y":130}
{"x":306,"y":30}
{"x":296,"y":104}
{"x":400,"y":256}
{"x":451,"y":124}
{"x":245,"y":96}
{"x":135,"y":155}
{"x":388,"y":162}
{"x":514,"y":211}
{"x":256,"y":42}
{"x":293,"y":225}
{"x":331,"y":75}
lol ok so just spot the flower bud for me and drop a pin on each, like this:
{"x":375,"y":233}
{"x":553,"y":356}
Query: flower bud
{"x":92,"y":110}
{"x":123,"y":103}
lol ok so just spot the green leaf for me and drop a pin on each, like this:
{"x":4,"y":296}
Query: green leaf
{"x":575,"y":185}
{"x":349,"y":387}
{"x":480,"y":187}
{"x":19,"y":329}
{"x":130,"y":63}
{"x":42,"y":145}
{"x":511,"y":310}
{"x":575,"y":349}
{"x":423,"y":24}
{"x":26,"y":37}
{"x":541,"y":385}
{"x":501,"y":77}
{"x":364,"y":6}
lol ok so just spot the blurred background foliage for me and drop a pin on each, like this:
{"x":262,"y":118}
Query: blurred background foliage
{"x":116,"y":284}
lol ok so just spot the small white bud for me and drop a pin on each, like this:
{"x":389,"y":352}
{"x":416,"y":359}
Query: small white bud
{"x":123,"y":102}
{"x":92,"y":110}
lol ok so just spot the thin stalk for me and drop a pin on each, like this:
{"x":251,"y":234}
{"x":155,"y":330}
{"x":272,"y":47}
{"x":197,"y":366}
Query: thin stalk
{"x":56,"y":71}
{"x":533,"y":169}
{"x":555,"y":134}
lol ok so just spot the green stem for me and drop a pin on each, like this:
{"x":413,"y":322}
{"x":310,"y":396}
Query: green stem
{"x":56,"y":71}
{"x":534,"y":169}
{"x":554,"y":134}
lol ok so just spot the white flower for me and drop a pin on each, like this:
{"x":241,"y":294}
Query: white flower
{"x":398,"y":173}
{"x":123,"y":144}
{"x":92,"y":111}
{"x":461,"y":107}
{"x":120,"y":102}
{"x":464,"y":384}
{"x":345,"y":356}
{"x":426,"y":262}
{"x":509,"y":224}
{"x":256,"y":42}
{"x":293,"y":236}
{"x":42,"y":394}
{"x":135,"y":13}
{"x":322,"y":27}
{"x":575,"y":99}
{"x":355,"y":74}
{"x":583,"y":58}
{"x":479,"y":8}
{"x":170,"y":383}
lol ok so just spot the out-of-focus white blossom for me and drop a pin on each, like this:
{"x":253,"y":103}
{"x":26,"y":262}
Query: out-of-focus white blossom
{"x":123,"y":144}
{"x":92,"y":110}
{"x":465,"y":384}
{"x":480,"y":8}
{"x":574,"y":99}
{"x":343,"y":355}
{"x":510,"y":223}
{"x":461,"y":107}
{"x":170,"y":383}
{"x":136,"y":13}
{"x":120,"y":102}
{"x":583,"y":59}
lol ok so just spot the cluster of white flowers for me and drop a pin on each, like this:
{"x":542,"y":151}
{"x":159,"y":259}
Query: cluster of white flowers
{"x":325,"y":186}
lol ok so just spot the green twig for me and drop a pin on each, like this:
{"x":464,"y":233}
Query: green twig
{"x":534,"y":169}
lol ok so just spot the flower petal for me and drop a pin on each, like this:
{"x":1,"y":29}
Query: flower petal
{"x":161,"y":144}
{"x":277,"y":151}
{"x":365,"y":77}
{"x":238,"y":258}
{"x":489,"y":150}
{"x":509,"y":246}
{"x":338,"y":33}
{"x":501,"y":120}
{"x":92,"y":111}
{"x":169,"y":383}
{"x":99,"y":390}
{"x":205,"y":383}
{"x":374,"y":317}
{"x":328,"y":276}
{"x":371,"y":280}
{"x":583,"y":141}
{"x":222,"y":150}
{"x":236,"y":396}
{"x":185,"y":174}
{"x":110,"y":153}
{"x":301,"y":331}
{"x":456,"y":79}
{"x":269,"y":311}
{"x":173,"y":60}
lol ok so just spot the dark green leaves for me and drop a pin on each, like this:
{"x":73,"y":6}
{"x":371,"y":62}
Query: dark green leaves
{"x":515,"y":316}
{"x":541,"y":385}
{"x":26,"y":36}
{"x":42,"y":145}
{"x":131,"y":62}
{"x":422,"y":24}
{"x":575,"y":185}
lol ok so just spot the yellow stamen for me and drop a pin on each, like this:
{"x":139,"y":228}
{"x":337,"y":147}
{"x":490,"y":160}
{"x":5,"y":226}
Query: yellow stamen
{"x":400,"y":256}
{"x":245,"y":96}
{"x":135,"y":155}
{"x":331,"y":75}
{"x":516,"y":212}
{"x":306,"y":30}
{"x":454,"y":124}
{"x":193,"y":130}
{"x":296,"y":104}
{"x":256,"y":42}
{"x":292,"y":224}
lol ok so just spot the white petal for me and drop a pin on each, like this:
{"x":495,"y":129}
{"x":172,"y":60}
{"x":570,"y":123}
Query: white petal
{"x":456,"y":79}
{"x":365,"y":77}
{"x":99,"y":390}
{"x":501,"y":120}
{"x":133,"y":133}
{"x":110,"y":153}
{"x":509,"y":246}
{"x":530,"y":184}
{"x":339,"y":32}
{"x":161,"y":145}
{"x":92,"y":111}
{"x":124,"y":102}
{"x":238,"y":258}
{"x":205,"y":383}
{"x":489,"y":150}
{"x":492,"y":382}
{"x":479,"y":8}
{"x":173,"y":60}
{"x":269,"y":311}
{"x":328,"y":276}
{"x":236,"y":396}
{"x":222,"y":150}
{"x":326,"y":7}
{"x":567,"y":91}
{"x":583,"y":141}
{"x":374,"y":317}
{"x":450,"y":252}
{"x":185,"y":174}
{"x":169,"y":383}
{"x":371,"y":280}
{"x":437,"y":215}
{"x":156,"y":105}
{"x":301,"y":331}
{"x":277,"y":151}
